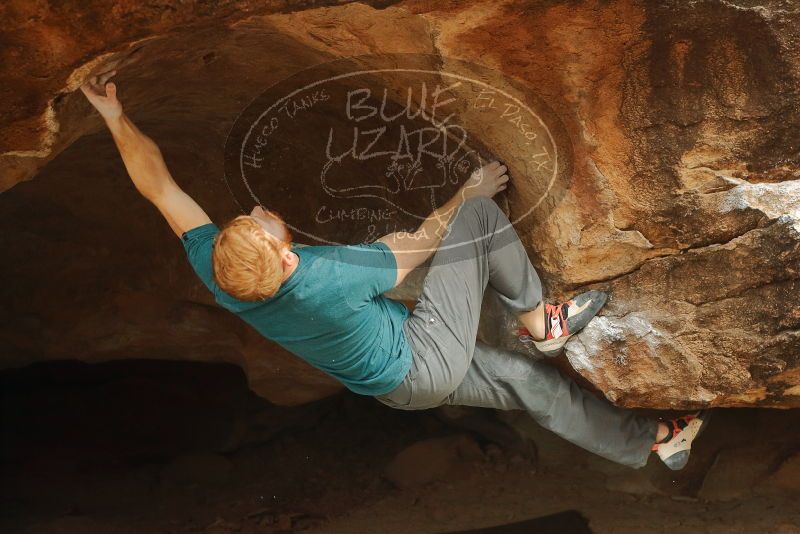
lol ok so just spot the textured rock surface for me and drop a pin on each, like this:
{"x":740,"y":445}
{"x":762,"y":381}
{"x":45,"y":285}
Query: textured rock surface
{"x":682,"y":197}
{"x":432,"y":459}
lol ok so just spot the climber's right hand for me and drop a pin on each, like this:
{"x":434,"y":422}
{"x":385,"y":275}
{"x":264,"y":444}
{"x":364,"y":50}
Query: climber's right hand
{"x":103,"y":95}
{"x":486,"y":181}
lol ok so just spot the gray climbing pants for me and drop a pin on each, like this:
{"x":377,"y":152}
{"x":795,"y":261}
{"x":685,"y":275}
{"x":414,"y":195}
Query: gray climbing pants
{"x":451,"y":367}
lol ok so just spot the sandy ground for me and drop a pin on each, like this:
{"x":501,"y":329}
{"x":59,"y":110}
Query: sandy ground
{"x":127,"y":454}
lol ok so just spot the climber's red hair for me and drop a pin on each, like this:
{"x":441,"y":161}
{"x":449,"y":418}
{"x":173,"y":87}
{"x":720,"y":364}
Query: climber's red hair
{"x":247,"y":260}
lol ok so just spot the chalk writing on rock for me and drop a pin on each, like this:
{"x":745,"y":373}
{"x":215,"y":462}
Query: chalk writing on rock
{"x":355,"y":149}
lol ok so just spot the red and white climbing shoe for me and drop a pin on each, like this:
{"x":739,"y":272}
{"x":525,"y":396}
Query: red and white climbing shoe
{"x":674,"y":449}
{"x":562,"y":321}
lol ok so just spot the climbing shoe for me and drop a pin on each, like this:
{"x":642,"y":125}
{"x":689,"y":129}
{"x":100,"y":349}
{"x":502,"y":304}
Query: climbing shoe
{"x":674,"y":449}
{"x":565,"y":320}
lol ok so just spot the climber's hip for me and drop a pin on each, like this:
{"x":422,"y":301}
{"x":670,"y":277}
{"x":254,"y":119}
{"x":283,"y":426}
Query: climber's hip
{"x":442,"y":328}
{"x":438,"y":365}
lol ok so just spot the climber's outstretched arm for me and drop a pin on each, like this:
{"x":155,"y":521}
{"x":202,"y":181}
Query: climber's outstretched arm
{"x":143,"y":160}
{"x":151,"y":177}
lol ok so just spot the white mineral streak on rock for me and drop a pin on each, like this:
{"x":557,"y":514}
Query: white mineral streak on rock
{"x":703,"y":395}
{"x":762,"y":11}
{"x":602,"y":334}
{"x":584,"y":349}
{"x":49,"y":120}
{"x":51,"y":128}
{"x":580,"y":356}
{"x":775,"y":200}
{"x":640,"y":326}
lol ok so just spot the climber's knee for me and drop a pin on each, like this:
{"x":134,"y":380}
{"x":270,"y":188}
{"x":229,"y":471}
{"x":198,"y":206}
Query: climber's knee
{"x":482,"y":205}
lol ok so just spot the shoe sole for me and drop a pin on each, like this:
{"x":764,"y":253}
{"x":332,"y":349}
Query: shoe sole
{"x":678,"y":461}
{"x":553,"y":347}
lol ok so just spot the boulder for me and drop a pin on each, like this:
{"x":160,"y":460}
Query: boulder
{"x":737,"y":471}
{"x":787,"y":477}
{"x":431,"y":460}
{"x":653,"y":149}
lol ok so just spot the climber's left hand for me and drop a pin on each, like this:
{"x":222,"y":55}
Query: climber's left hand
{"x":103,"y":96}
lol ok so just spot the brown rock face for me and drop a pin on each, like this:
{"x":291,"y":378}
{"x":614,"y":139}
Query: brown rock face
{"x":653,"y":148}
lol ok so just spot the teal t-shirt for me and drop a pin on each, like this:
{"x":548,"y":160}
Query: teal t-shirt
{"x":331,"y":311}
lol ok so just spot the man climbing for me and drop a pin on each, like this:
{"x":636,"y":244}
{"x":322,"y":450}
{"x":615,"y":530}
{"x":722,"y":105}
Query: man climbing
{"x":326,"y":305}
